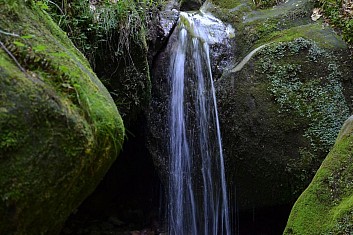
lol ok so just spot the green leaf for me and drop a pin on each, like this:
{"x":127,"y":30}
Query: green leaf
{"x":39,"y":48}
{"x":64,"y":68}
{"x":28,"y":36}
{"x":42,"y":5}
{"x":60,"y":54}
{"x":19,"y":44}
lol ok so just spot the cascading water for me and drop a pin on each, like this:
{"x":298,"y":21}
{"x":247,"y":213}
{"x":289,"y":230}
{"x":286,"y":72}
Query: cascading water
{"x":197,"y":196}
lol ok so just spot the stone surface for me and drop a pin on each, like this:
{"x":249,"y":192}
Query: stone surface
{"x":279,"y":113}
{"x":278,"y":116}
{"x":60,"y":129}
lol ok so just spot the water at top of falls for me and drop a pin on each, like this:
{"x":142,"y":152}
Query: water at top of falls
{"x":197,"y":193}
{"x":206,"y":27}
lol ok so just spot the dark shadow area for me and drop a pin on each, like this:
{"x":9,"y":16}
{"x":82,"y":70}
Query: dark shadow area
{"x":263,"y":221}
{"x":127,"y":198}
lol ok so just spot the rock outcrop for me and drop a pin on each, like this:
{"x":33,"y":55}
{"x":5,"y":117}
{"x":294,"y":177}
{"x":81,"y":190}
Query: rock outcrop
{"x":280,"y":108}
{"x":60,"y":129}
{"x":282,"y":105}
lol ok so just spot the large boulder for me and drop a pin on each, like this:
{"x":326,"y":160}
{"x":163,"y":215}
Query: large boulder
{"x":282,"y":101}
{"x":279,"y":116}
{"x":325,"y":207}
{"x":60,"y":129}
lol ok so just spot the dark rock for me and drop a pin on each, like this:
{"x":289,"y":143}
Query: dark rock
{"x":191,"y":5}
{"x":159,"y":107}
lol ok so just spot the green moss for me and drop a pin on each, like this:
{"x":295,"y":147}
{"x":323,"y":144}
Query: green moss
{"x":323,"y":36}
{"x":227,"y":4}
{"x":325,"y":207}
{"x":256,"y":27}
{"x":60,"y":129}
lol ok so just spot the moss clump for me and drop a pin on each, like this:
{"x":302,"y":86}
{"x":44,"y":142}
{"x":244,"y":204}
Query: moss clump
{"x":324,"y":37}
{"x":60,"y":129}
{"x":262,"y":26}
{"x":325,"y":207}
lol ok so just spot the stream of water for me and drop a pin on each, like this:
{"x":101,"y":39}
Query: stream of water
{"x":197,"y":193}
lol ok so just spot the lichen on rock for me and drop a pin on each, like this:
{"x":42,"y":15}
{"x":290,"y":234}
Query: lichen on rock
{"x":281,"y":111}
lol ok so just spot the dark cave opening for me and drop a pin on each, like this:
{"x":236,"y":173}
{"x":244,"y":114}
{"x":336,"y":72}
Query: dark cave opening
{"x":130,"y":200}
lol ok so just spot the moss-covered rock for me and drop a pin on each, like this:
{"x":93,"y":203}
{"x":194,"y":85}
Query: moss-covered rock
{"x":279,"y":116}
{"x":326,"y":207}
{"x":60,"y":129}
{"x":280,"y":113}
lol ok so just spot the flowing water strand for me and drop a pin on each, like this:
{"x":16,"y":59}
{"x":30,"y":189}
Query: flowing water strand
{"x":180,"y":191}
{"x":202,"y":117}
{"x":225,"y":206}
{"x":197,"y":196}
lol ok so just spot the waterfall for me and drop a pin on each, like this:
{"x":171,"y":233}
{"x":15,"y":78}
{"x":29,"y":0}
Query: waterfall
{"x":197,"y":193}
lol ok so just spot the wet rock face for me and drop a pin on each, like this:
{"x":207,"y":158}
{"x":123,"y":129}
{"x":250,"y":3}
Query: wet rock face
{"x":158,"y":138}
{"x":280,"y":113}
{"x":161,"y":30}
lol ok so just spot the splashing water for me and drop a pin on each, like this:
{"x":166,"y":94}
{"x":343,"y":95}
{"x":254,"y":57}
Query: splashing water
{"x":197,"y":196}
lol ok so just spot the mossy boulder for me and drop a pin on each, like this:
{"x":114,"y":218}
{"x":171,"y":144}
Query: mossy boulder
{"x":60,"y":129}
{"x":279,"y":116}
{"x":326,"y":207}
{"x":281,"y":111}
